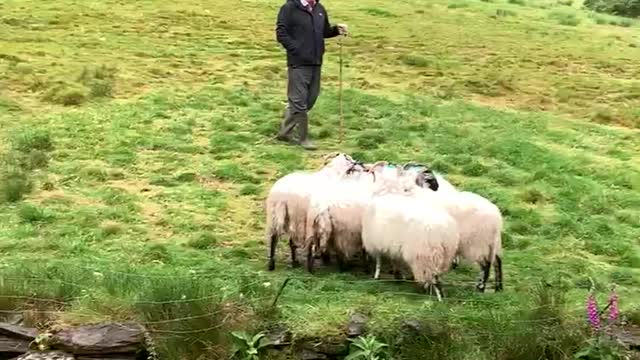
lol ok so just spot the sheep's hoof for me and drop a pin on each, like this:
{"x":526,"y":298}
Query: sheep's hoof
{"x":480,"y":288}
{"x":456,"y":263}
{"x":272,"y":265}
{"x":295,"y":264}
{"x":397,"y":275}
{"x":438,"y":294}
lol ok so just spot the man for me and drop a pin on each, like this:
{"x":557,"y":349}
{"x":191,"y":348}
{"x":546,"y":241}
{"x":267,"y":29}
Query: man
{"x":301,"y":28}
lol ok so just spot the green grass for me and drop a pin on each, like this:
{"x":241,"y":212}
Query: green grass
{"x":149,"y":187}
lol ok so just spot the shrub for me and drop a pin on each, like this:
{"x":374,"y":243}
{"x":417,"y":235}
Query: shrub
{"x":102,"y":72}
{"x":35,"y":159}
{"x":66,"y":94}
{"x":14,"y":185}
{"x":414,"y":60}
{"x":100,"y":88}
{"x":32,"y":139}
{"x":623,"y":22}
{"x":565,"y":18}
{"x":628,"y":8}
{"x":109,"y":228}
{"x":158,"y":252}
{"x":601,"y":20}
{"x":544,"y":333}
{"x":203,"y":241}
{"x":32,"y":214}
{"x":250,"y":189}
{"x":458,"y":5}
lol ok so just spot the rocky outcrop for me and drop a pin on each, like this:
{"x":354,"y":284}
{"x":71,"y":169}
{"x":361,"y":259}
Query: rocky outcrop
{"x":91,"y":342}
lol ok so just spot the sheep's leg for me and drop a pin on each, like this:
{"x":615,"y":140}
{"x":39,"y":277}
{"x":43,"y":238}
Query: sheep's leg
{"x":376,"y":275}
{"x":293,"y":247}
{"x":366,"y":263}
{"x":434,"y":288}
{"x":497,"y":267}
{"x":310,"y":259}
{"x":326,"y":259}
{"x":395,"y":270}
{"x":456,"y":262}
{"x":273,"y":241}
{"x":342,"y":263}
{"x":397,"y":274}
{"x":484,"y":276}
{"x":438,"y":293}
{"x":438,"y":286}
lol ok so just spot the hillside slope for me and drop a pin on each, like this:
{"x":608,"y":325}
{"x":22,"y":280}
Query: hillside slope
{"x":147,"y":187}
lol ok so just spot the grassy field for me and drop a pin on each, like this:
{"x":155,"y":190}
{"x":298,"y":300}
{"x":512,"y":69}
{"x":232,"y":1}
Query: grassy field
{"x":136,"y":157}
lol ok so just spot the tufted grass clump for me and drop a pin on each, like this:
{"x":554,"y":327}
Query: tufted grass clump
{"x":67,"y":94}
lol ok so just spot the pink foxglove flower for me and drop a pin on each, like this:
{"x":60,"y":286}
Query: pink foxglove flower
{"x":592,"y":312}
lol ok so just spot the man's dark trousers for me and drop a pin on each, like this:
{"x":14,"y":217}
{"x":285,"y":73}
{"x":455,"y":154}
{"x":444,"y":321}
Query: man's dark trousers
{"x":303,"y":88}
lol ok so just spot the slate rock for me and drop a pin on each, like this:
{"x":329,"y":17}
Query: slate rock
{"x":327,"y":347}
{"x":412,"y":326}
{"x":629,"y":337}
{"x":278,"y":336}
{"x":357,"y":325}
{"x":45,"y":355}
{"x":109,"y":357}
{"x":100,"y":339}
{"x":18,"y":332}
{"x":307,"y":354}
{"x":11,"y":346}
{"x":15,"y":340}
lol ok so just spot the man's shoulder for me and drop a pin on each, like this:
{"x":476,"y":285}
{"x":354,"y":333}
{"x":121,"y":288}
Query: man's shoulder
{"x":288,"y":4}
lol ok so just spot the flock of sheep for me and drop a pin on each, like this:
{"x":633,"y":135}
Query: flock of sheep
{"x":407,"y":215}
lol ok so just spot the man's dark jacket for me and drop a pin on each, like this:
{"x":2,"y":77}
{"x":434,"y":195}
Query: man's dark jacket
{"x":302,"y":33}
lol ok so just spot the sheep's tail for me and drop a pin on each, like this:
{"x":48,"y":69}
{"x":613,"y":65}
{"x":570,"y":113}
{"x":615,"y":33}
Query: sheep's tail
{"x":323,"y":228}
{"x":277,"y":218}
{"x":318,"y":232}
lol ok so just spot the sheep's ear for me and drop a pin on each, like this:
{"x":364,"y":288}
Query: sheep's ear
{"x":430,"y":179}
{"x":410,"y":164}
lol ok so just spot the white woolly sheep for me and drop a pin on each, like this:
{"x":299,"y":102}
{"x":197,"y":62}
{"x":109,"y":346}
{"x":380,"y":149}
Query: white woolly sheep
{"x":443,"y":185}
{"x":334,"y":217}
{"x":480,"y":224}
{"x":335,"y":214}
{"x":288,"y":201}
{"x":418,"y":234}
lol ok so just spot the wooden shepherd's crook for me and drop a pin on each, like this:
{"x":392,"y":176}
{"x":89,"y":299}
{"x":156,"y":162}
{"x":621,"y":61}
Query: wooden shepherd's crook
{"x":340,"y":95}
